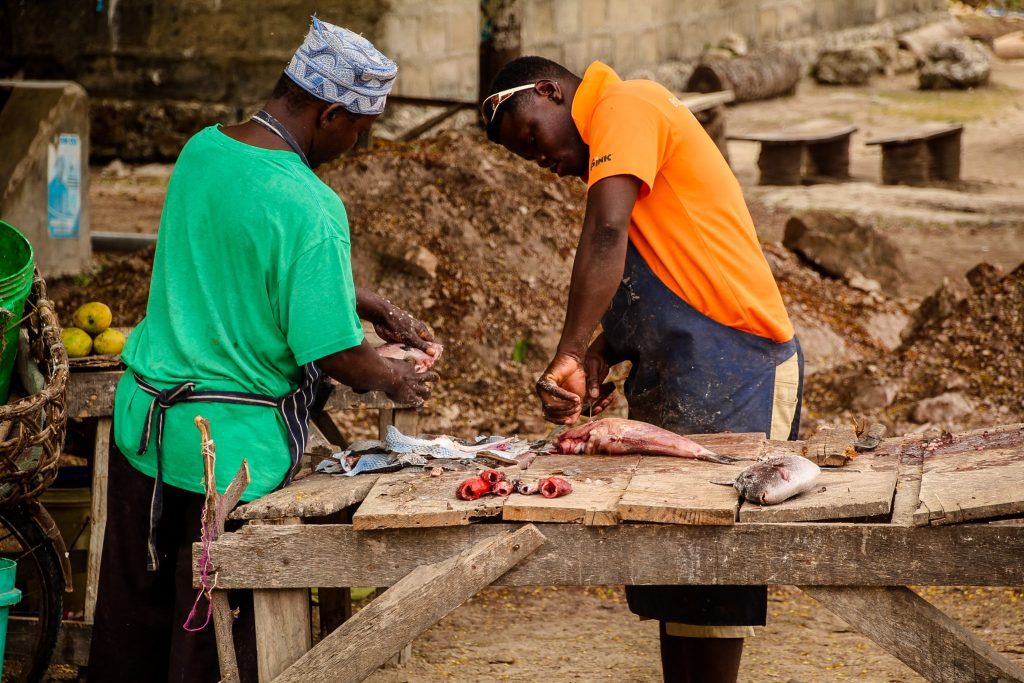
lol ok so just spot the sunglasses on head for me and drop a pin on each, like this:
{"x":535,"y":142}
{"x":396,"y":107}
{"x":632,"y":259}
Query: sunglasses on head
{"x":494,"y":101}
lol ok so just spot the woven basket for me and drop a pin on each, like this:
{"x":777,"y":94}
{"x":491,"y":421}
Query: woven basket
{"x":32,"y":429}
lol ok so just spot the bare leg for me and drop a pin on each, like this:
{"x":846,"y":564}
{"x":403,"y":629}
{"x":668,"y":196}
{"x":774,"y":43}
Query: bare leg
{"x":700,"y":660}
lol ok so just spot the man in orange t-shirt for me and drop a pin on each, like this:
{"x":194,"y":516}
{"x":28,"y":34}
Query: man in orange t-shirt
{"x":670,"y":265}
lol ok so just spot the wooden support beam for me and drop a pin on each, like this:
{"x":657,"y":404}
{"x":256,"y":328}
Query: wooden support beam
{"x":838,"y":554}
{"x":917,"y":633}
{"x":98,"y":515}
{"x":415,"y":603}
{"x":283,"y":630}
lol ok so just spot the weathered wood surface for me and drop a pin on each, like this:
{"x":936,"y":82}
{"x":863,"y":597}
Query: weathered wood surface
{"x":596,"y":489}
{"x":797,"y":554}
{"x":317,"y":495}
{"x":400,"y":501}
{"x":908,"y":486}
{"x":283,"y":629}
{"x":918,"y":634}
{"x":830,"y":445}
{"x":920,"y":133}
{"x":818,"y":130}
{"x":679,"y":491}
{"x":969,"y":480}
{"x":98,"y":518}
{"x":410,"y":607}
{"x":704,"y":101}
{"x":864,"y":488}
{"x":91,"y":394}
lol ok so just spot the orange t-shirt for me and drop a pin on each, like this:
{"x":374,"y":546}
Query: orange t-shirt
{"x":690,"y":222}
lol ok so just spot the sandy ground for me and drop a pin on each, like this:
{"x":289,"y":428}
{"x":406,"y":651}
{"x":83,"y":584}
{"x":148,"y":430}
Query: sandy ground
{"x":574,"y":634}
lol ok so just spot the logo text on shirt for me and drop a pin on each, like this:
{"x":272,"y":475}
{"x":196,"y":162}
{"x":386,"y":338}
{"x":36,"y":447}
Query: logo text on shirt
{"x":600,"y":160}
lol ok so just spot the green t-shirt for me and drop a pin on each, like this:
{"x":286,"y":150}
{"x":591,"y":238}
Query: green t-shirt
{"x":252,"y":279}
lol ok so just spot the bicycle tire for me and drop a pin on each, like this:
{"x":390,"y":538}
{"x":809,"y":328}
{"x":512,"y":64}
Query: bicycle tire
{"x":41,"y":581}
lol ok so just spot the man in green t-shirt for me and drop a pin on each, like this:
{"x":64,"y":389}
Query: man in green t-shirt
{"x":252,"y":301}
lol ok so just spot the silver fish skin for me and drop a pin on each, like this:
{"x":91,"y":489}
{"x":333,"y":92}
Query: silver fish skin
{"x":440,"y":447}
{"x":776,"y":479}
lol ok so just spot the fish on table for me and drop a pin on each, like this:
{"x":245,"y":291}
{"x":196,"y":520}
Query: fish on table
{"x":618,"y":436}
{"x":773,"y":480}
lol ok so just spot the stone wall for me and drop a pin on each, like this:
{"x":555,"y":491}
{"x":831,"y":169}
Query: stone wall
{"x":157,"y":70}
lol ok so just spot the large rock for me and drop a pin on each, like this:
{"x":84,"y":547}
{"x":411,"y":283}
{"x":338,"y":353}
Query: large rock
{"x":822,"y":347}
{"x":941,"y":410}
{"x":960,"y":63}
{"x":1010,"y":46}
{"x":853,"y":66}
{"x":885,"y":328}
{"x":841,"y":246}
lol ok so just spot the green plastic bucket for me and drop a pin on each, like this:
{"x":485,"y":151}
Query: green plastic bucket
{"x":9,"y":595}
{"x":16,"y":272}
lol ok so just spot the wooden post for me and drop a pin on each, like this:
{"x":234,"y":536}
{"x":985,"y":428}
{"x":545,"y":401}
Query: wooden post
{"x":830,"y":159}
{"x":410,"y":607}
{"x":905,"y":164}
{"x":944,"y":151}
{"x":406,"y":420}
{"x":917,"y":633}
{"x":98,"y":515}
{"x":217,"y":509}
{"x":780,"y":164}
{"x":283,"y":631}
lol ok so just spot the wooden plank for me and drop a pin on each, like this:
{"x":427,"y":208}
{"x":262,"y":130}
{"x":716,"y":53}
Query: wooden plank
{"x":345,"y":398}
{"x":317,"y":495}
{"x":974,"y":485}
{"x":819,"y":130}
{"x":839,"y":553}
{"x":410,"y":607}
{"x":596,"y":490}
{"x":398,"y":501}
{"x":925,"y":131}
{"x":908,"y":486}
{"x":918,"y":634}
{"x":831,"y":446}
{"x":283,"y":631}
{"x":98,"y":515}
{"x":863,"y":488}
{"x":678,"y":491}
{"x":698,"y":102}
{"x":91,"y":394}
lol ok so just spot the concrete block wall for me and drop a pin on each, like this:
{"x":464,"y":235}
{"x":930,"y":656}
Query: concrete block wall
{"x":158,"y":70}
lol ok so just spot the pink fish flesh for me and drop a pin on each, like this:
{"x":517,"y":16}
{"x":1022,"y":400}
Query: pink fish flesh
{"x":421,"y":359}
{"x":616,"y":436}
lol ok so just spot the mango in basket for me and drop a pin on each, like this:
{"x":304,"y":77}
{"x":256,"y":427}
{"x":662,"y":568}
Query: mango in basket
{"x":108,"y":342}
{"x":76,"y":341}
{"x":93,"y":317}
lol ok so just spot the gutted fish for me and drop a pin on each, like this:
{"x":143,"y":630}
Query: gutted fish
{"x":502,"y":488}
{"x":492,"y":477}
{"x":422,"y":360}
{"x":616,"y":436}
{"x":473,"y":488}
{"x":440,"y":447}
{"x":527,"y":488}
{"x":553,"y":487}
{"x":776,"y":479}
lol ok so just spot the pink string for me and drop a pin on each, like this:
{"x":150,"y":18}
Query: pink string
{"x":206,"y":588}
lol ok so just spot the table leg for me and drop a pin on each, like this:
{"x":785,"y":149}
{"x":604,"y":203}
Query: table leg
{"x":98,"y":514}
{"x":283,"y":632}
{"x":917,"y":633}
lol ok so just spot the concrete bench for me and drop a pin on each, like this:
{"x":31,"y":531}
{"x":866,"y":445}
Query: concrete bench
{"x":809,"y":152}
{"x":920,"y":155}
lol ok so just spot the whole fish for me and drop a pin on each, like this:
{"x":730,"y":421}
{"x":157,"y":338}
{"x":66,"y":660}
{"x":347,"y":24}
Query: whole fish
{"x":776,"y":479}
{"x":440,"y":447}
{"x":615,"y":436}
{"x":421,"y":359}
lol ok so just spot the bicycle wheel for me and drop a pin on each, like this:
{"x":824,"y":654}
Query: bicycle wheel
{"x":35,"y":621}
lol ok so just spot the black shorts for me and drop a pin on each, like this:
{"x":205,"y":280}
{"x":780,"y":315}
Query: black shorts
{"x":701,"y":605}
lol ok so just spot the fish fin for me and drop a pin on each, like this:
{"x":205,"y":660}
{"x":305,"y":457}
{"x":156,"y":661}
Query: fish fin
{"x":714,"y":457}
{"x":722,"y":482}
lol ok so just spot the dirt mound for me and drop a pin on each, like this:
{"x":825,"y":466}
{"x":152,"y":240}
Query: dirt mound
{"x":500,"y":235}
{"x":965,"y":339}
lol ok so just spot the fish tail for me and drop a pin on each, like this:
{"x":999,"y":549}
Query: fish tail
{"x":714,"y":457}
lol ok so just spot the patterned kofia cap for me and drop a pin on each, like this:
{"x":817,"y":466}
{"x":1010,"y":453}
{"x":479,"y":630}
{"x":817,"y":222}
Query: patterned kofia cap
{"x":342,"y":67}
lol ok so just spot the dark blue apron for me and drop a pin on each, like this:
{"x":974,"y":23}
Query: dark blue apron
{"x":692,"y":375}
{"x":295,"y":407}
